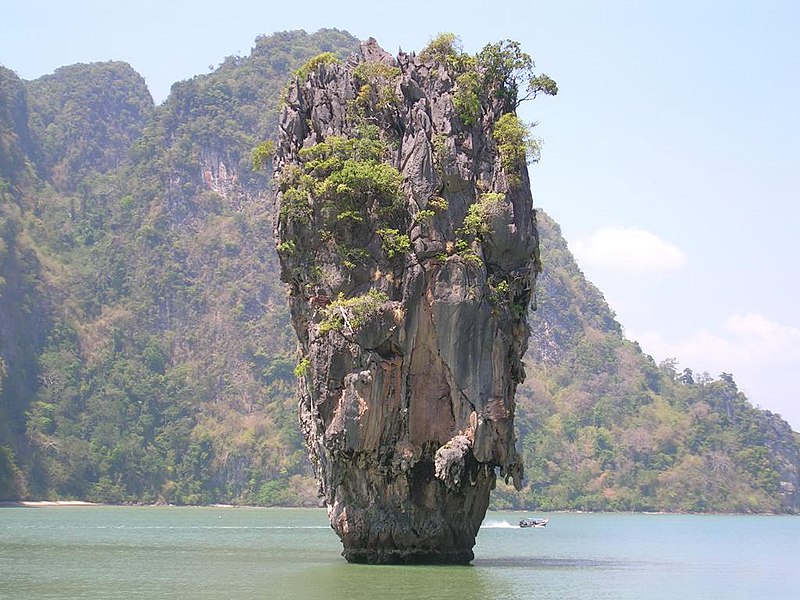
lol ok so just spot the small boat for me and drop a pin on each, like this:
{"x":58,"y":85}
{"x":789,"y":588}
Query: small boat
{"x":533,"y":522}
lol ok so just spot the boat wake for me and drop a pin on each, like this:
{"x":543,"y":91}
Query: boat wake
{"x":498,"y":525}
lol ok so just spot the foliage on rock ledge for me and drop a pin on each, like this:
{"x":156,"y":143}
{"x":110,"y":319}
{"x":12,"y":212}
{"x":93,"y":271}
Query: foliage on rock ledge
{"x":342,"y":183}
{"x":500,"y":70}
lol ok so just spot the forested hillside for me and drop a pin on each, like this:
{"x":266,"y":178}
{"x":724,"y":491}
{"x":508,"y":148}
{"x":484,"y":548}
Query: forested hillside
{"x":162,"y":368}
{"x":145,"y":347}
{"x":603,"y":427}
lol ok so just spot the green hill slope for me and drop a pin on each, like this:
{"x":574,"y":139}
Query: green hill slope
{"x":167,"y":374}
{"x":85,"y":118}
{"x":24,"y":315}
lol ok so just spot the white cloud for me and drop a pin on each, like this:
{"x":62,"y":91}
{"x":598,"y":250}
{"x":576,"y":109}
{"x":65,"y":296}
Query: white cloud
{"x":751,"y":339}
{"x":762,"y":354}
{"x":755,"y":326}
{"x":628,"y":250}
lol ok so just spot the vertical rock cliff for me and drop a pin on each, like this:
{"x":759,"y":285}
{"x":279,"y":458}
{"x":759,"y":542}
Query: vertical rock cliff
{"x":407,"y":236}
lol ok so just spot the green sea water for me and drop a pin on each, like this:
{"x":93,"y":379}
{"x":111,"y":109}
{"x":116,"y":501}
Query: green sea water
{"x":247,"y":553}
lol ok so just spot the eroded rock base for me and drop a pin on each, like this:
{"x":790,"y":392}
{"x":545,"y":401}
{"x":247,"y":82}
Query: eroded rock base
{"x":408,"y":557}
{"x":413,"y":519}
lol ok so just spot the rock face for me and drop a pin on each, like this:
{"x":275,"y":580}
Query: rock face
{"x":409,"y":243}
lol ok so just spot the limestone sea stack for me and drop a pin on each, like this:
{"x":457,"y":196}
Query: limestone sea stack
{"x":407,"y":237}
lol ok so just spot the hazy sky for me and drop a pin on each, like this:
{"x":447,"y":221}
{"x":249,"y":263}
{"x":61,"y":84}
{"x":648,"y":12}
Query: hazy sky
{"x":671,"y":155}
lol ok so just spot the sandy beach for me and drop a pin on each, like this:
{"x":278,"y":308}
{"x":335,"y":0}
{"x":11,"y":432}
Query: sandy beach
{"x":41,"y":503}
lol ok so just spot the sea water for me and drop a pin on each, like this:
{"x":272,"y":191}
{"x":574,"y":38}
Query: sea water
{"x":94,"y":553}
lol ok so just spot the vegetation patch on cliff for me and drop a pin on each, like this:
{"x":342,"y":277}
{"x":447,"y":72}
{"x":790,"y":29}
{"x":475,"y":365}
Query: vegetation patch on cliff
{"x":349,"y":314}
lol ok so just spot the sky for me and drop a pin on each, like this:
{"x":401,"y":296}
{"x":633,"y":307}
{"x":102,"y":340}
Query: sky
{"x":671,"y":155}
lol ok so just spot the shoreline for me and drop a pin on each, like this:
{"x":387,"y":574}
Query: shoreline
{"x":41,"y":503}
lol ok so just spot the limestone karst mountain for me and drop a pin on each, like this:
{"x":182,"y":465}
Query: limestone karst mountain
{"x":407,"y":237}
